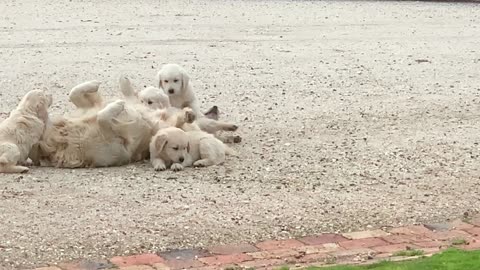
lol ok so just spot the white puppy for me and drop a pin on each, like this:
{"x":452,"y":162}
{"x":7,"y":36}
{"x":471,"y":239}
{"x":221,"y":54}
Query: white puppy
{"x":22,"y":130}
{"x":175,"y":82}
{"x":174,"y":148}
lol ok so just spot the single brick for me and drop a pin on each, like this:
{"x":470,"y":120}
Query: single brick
{"x":161,"y":266}
{"x":451,"y":235}
{"x":232,"y":249}
{"x":322,"y":239}
{"x":472,"y":246}
{"x":429,"y":244}
{"x":142,"y":259}
{"x":344,"y":254}
{"x":226,"y":259}
{"x":475,"y":231}
{"x":460,"y":225}
{"x":404,"y":238}
{"x":318,"y":258}
{"x":255,"y":264}
{"x":412,"y":230}
{"x":279,"y":244}
{"x":137,"y":267}
{"x":86,"y":265}
{"x":365,"y":234}
{"x":184,"y":254}
{"x":275,"y":254}
{"x":183,"y":264}
{"x":393,"y":248}
{"x":363,"y":243}
{"x":329,"y":247}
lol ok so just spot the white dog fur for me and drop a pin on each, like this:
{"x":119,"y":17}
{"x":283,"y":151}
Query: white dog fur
{"x":22,"y":130}
{"x":174,"y":148}
{"x":175,"y":82}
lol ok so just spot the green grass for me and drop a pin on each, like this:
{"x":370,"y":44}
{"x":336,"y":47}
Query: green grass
{"x":452,"y":259}
{"x":409,"y":253}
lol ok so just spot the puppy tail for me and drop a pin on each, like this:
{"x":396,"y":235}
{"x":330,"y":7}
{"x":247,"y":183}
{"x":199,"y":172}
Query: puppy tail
{"x":126,"y":88}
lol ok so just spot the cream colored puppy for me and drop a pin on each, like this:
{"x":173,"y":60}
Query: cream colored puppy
{"x":174,"y":148}
{"x":22,"y":130}
{"x":175,"y":82}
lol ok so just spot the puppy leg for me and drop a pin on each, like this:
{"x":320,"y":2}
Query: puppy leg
{"x":86,"y":95}
{"x":212,"y":126}
{"x":127,"y":89}
{"x":212,"y":113}
{"x":158,"y":164}
{"x":106,"y":116}
{"x":185,"y":116}
{"x":212,"y":152}
{"x":9,"y":157}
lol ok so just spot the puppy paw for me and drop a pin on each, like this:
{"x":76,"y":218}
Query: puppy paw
{"x":23,"y":169}
{"x":189,"y":115}
{"x":160,"y":167}
{"x":213,"y":113}
{"x":177,"y":167}
{"x":231,"y":128}
{"x":200,"y":163}
{"x":237,"y":139}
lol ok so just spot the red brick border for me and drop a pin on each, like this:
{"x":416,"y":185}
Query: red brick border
{"x":351,"y":248}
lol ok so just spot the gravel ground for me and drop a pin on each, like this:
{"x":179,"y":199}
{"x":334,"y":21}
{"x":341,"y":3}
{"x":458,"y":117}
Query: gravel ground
{"x":354,"y":115}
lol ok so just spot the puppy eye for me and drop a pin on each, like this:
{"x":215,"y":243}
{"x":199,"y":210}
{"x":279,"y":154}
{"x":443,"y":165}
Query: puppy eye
{"x":166,"y":81}
{"x":175,"y":80}
{"x":150,"y":102}
{"x":175,"y":148}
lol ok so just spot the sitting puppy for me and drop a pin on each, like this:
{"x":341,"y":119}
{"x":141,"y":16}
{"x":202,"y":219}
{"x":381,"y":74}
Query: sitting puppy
{"x":22,"y":130}
{"x":175,"y":82}
{"x":174,"y":148}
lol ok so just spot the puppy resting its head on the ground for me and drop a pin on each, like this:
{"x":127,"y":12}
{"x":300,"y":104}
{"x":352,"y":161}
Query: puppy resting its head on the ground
{"x":175,"y":148}
{"x":23,"y":129}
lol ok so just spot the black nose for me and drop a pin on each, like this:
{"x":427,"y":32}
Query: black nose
{"x":180,"y":159}
{"x":170,"y":91}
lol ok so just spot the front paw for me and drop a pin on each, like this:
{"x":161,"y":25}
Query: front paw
{"x":232,"y":128}
{"x":160,"y":167}
{"x":199,"y":163}
{"x":176,"y":167}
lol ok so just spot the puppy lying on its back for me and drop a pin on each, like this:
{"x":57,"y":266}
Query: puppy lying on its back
{"x":22,"y":130}
{"x":174,"y":148}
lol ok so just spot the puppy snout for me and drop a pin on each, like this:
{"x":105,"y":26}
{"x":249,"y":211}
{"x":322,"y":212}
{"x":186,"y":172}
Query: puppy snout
{"x":181,"y":159}
{"x":170,"y":91}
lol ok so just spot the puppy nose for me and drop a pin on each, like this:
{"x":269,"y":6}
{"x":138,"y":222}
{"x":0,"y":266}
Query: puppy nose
{"x":181,"y":159}
{"x":170,"y":91}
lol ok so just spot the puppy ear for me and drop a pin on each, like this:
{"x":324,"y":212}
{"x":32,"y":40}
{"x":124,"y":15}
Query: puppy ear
{"x":159,"y":79}
{"x":185,"y":80}
{"x":161,"y":142}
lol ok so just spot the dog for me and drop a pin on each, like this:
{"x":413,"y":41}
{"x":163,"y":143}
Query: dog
{"x":22,"y":130}
{"x":105,"y":135}
{"x":97,"y":134}
{"x":175,"y":83}
{"x":176,"y":149}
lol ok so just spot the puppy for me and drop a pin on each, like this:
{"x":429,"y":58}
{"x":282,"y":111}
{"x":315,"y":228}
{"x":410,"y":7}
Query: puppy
{"x":174,"y":148}
{"x":22,"y":130}
{"x":175,"y":82}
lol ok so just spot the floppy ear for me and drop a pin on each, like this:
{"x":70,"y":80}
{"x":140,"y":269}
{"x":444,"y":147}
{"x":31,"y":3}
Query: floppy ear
{"x":159,"y":79}
{"x":161,"y":142}
{"x":185,"y":80}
